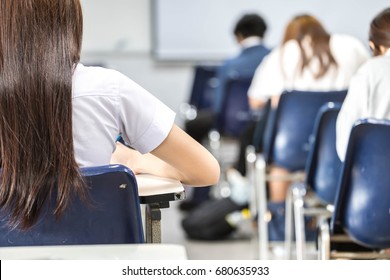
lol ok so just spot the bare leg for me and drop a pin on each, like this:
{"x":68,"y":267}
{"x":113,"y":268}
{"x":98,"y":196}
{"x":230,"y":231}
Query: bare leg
{"x":278,"y":187}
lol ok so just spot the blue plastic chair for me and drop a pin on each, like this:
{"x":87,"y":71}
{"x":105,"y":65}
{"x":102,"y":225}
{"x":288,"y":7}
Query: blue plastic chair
{"x":363,"y":196}
{"x":286,"y":144}
{"x":202,"y":94}
{"x":203,"y":87}
{"x":322,"y":174}
{"x":235,"y":113}
{"x":113,"y":216}
{"x":230,"y":124}
{"x":290,"y":127}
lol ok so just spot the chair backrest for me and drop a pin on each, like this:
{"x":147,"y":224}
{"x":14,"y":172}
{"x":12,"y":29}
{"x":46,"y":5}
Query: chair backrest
{"x":203,"y":87}
{"x":235,"y":113}
{"x":260,"y":127}
{"x":323,"y":165}
{"x":112,"y":217}
{"x":362,"y":205}
{"x":289,"y":127}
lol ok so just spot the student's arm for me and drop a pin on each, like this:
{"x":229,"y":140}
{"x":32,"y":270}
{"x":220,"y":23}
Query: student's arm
{"x":178,"y":157}
{"x":255,"y":104}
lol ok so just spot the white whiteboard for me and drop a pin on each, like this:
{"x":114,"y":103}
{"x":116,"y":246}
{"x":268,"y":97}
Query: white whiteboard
{"x":203,"y":29}
{"x":112,"y":26}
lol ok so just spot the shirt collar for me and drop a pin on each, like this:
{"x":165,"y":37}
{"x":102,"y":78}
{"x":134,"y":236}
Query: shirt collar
{"x":250,"y":42}
{"x":387,"y":53}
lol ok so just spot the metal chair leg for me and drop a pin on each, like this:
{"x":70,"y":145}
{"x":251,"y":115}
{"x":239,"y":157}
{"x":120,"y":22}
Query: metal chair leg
{"x":289,"y":224}
{"x":324,"y":240}
{"x":262,"y":208}
{"x":300,"y":238}
{"x":251,"y":157}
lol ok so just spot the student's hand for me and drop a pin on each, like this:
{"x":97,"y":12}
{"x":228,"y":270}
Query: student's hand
{"x":126,"y":156}
{"x":178,"y":157}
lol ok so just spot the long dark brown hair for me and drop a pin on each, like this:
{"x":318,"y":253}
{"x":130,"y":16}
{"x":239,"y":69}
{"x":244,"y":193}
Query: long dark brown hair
{"x":379,"y":33}
{"x":307,"y":26}
{"x":40,"y":42}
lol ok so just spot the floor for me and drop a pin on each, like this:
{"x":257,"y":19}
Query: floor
{"x":238,"y":247}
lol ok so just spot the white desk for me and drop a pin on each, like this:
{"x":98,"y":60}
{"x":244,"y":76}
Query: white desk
{"x":150,"y":185}
{"x":156,"y":193}
{"x":96,"y":252}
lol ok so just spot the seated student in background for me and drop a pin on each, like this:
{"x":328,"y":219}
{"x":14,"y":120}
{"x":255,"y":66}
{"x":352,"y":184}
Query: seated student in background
{"x":249,"y":32}
{"x":311,"y":59}
{"x":369,"y":92}
{"x":58,"y":115}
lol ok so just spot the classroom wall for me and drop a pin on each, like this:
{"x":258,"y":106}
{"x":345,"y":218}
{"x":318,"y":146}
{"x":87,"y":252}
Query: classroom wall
{"x":126,"y":25}
{"x":118,"y":34}
{"x":202,"y":29}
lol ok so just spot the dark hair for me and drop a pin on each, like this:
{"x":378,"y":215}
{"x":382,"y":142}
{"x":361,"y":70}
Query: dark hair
{"x":306,"y":26}
{"x":250,"y":25}
{"x":40,"y":42}
{"x":380,"y":30}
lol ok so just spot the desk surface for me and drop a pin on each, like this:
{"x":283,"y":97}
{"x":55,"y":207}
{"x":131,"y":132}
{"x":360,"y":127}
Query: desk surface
{"x":152,"y":189}
{"x":96,"y":252}
{"x":152,"y":185}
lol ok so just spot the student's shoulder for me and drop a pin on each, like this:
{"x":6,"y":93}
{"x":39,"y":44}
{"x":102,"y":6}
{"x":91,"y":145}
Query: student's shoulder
{"x":345,"y":40}
{"x":348,"y":48}
{"x":377,"y":64}
{"x":98,"y":80}
{"x":96,"y":72}
{"x":374,"y":70}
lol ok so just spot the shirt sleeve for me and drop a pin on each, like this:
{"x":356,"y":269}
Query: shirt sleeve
{"x":144,"y":120}
{"x":354,"y":108}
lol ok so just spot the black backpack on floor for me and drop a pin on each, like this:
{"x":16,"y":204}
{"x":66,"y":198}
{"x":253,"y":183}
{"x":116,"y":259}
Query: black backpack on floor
{"x":208,"y":221}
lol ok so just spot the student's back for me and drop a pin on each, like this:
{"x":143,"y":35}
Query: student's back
{"x":369,"y":93}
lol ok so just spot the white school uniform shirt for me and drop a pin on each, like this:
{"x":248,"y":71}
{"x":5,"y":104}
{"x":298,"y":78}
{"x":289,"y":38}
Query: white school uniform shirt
{"x":368,"y":97}
{"x":271,"y":79}
{"x":106,"y":103}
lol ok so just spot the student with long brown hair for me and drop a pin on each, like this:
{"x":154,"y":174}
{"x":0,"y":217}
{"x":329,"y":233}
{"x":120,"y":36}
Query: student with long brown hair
{"x":58,"y":115}
{"x":309,"y":58}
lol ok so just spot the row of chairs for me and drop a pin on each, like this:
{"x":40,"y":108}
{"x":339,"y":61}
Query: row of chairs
{"x":287,"y":142}
{"x":301,"y":137}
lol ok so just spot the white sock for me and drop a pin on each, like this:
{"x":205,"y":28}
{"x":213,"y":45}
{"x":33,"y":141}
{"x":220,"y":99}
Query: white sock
{"x":239,"y":186}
